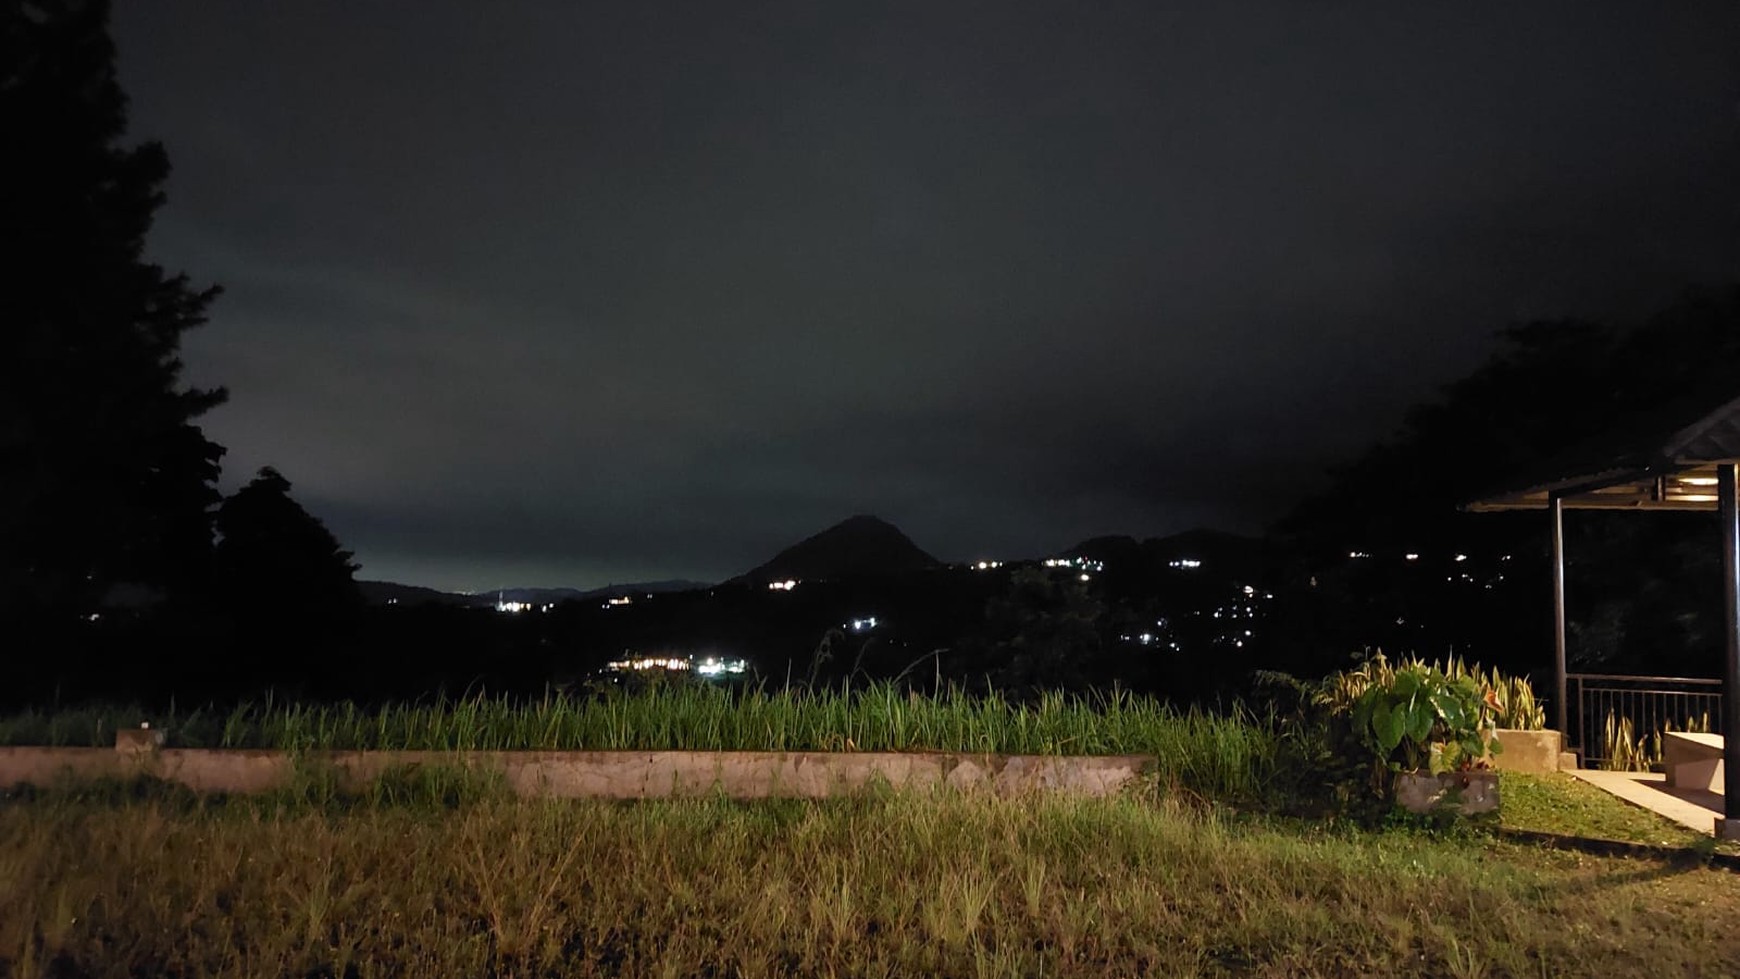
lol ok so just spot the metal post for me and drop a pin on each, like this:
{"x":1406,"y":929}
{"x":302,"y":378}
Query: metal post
{"x":1727,"y":493}
{"x":1557,"y":507}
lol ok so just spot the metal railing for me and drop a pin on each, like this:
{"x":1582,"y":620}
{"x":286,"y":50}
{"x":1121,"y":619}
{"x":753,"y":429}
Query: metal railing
{"x":1651,"y":703}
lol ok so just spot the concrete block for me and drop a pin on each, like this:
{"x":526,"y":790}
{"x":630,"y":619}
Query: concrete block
{"x":1693,"y":761}
{"x":138,"y":740}
{"x":1727,"y":829}
{"x":1568,"y":761}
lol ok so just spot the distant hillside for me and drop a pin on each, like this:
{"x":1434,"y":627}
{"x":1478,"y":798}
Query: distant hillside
{"x":1213,"y":553}
{"x":385,"y":592}
{"x":1111,"y":549}
{"x":1205,"y":545}
{"x":665,"y":587}
{"x":858,"y":547}
{"x":391,"y":592}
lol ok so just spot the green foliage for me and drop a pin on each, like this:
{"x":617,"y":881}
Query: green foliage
{"x":1043,"y":634}
{"x":1509,"y":700}
{"x":1625,"y":750}
{"x":1424,"y":719}
{"x":1346,"y":734}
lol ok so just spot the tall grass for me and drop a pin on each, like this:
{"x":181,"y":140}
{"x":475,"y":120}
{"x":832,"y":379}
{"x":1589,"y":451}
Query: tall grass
{"x":1229,"y":753}
{"x":907,"y":884}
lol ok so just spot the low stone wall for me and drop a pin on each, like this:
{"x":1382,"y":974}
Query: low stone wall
{"x":596,"y":774}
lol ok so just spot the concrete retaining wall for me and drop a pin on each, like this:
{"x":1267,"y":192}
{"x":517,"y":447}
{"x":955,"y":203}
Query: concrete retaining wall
{"x":596,"y":774}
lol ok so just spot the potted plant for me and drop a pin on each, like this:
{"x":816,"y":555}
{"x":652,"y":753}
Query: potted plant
{"x":1432,"y":738}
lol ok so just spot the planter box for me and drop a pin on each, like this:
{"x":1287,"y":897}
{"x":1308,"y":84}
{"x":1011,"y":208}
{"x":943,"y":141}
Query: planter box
{"x":1530,"y":752}
{"x":1462,"y":793}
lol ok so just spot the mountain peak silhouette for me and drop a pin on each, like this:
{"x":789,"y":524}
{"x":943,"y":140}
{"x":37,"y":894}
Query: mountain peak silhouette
{"x":859,"y":546}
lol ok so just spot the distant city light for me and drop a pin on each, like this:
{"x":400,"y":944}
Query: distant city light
{"x":1412,"y":557}
{"x":651,"y":663}
{"x":1249,"y":590}
{"x":987,"y":565}
{"x":1358,"y":554}
{"x":712,"y":666}
{"x":786,"y":585}
{"x":1461,"y":557}
{"x":1086,"y":577}
{"x":1184,"y":563}
{"x":862,"y":625}
{"x":511,"y":608}
{"x":619,"y":600}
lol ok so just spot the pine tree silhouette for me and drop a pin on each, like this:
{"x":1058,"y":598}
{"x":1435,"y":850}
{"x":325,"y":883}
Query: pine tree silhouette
{"x":105,"y":480}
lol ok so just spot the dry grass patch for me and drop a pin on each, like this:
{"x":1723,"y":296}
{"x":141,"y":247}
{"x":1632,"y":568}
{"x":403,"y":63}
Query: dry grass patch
{"x":897,"y":885}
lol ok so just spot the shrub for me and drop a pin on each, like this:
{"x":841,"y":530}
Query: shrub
{"x":1509,"y":700}
{"x":1346,"y":734}
{"x":1425,"y":719}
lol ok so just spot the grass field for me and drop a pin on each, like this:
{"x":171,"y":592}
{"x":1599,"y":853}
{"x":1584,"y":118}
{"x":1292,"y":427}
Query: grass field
{"x":106,"y":882}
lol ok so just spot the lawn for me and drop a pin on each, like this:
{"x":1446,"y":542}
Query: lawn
{"x":156,"y":882}
{"x":1562,"y":805}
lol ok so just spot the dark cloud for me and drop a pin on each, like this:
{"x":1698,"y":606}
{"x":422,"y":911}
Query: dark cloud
{"x":556,"y":293}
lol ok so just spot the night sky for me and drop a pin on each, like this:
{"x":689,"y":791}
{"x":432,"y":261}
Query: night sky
{"x":553,"y":294}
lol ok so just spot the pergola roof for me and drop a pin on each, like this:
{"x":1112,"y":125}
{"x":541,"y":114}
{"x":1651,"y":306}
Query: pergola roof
{"x":1671,"y":468}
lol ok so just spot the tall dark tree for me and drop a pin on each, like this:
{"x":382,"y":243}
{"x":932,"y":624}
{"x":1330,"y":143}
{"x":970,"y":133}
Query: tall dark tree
{"x":273,"y":555}
{"x":1555,"y":398}
{"x":1551,"y":391}
{"x":105,"y":480}
{"x":1041,"y":634}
